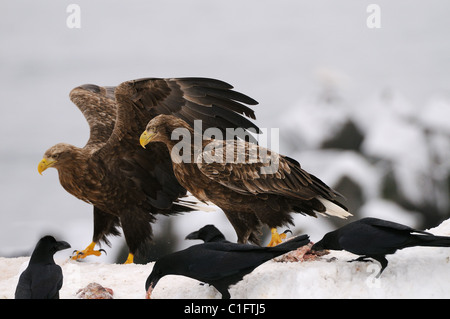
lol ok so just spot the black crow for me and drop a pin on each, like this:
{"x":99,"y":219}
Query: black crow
{"x":219,"y":264}
{"x":375,"y":238}
{"x":208,"y":234}
{"x":43,"y":278}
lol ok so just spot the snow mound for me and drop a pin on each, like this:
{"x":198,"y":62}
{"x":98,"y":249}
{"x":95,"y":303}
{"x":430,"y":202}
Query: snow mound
{"x":420,"y":272}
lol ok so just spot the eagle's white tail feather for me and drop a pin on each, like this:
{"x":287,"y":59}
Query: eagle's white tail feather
{"x":191,"y":201}
{"x":333,"y":210}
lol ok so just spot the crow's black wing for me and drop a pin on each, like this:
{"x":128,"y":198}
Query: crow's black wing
{"x":46,"y":282}
{"x":213,"y":265}
{"x":215,"y":260}
{"x":23,"y":289}
{"x":381,"y":223}
{"x":367,"y":239}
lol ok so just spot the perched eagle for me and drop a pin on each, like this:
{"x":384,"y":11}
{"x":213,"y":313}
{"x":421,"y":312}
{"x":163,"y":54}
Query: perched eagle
{"x":251,"y":184}
{"x":126,"y":184}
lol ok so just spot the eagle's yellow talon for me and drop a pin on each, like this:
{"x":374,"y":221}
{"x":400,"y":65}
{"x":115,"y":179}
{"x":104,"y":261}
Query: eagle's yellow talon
{"x":276,"y":238}
{"x":89,"y":251}
{"x":130,"y":259}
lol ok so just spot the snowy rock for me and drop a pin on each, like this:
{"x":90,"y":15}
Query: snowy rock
{"x":310,"y":122}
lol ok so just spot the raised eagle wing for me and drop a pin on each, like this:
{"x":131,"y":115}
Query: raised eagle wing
{"x":138,"y":101}
{"x":255,"y":170}
{"x":209,"y":100}
{"x":99,"y":108}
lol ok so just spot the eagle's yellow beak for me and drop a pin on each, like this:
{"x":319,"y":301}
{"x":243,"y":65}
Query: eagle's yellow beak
{"x":146,"y":138}
{"x":44,"y":164}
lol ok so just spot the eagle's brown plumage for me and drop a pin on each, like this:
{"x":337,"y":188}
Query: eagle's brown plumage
{"x":126,"y":184}
{"x":251,"y":190}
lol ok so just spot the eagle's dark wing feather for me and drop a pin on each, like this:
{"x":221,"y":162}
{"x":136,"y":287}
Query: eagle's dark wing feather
{"x":134,"y":103}
{"x":209,"y":100}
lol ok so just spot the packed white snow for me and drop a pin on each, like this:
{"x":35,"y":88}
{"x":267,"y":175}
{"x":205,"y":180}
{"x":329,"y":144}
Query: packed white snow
{"x":419,"y":272}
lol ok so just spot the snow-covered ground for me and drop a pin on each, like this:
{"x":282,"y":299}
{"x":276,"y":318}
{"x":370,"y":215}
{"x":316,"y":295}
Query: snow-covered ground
{"x":419,"y":272}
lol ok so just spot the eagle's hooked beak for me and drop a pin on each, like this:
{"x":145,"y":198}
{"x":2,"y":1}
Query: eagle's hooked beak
{"x":146,"y":138}
{"x":44,"y":164}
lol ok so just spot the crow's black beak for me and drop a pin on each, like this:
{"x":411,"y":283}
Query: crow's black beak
{"x":61,"y":245}
{"x":193,"y":235}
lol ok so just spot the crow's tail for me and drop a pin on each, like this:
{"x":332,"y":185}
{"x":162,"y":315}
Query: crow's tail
{"x":432,"y":241}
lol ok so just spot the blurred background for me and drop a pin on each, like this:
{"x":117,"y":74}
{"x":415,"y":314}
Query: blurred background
{"x":367,"y":110}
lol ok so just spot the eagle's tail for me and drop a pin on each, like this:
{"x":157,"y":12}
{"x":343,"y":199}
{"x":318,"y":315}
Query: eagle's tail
{"x":333,"y":209}
{"x":193,"y":204}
